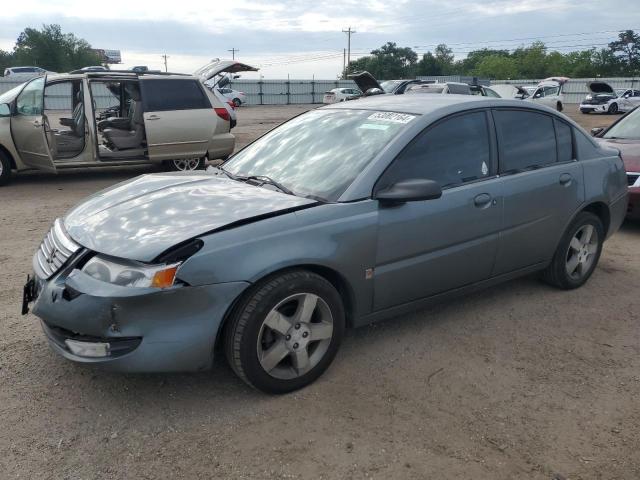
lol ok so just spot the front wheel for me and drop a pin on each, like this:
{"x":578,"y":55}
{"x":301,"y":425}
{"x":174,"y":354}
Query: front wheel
{"x":5,"y":169}
{"x":613,"y":109}
{"x":577,"y":254}
{"x":286,"y":331}
{"x":185,"y":164}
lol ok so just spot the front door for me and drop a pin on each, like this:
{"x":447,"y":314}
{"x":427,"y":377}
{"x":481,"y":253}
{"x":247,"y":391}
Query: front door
{"x":432,"y":246}
{"x":542,"y":184}
{"x":179,"y":120}
{"x":28,"y":127}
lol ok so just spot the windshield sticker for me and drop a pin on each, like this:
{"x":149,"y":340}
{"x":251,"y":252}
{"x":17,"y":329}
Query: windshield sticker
{"x":391,"y":117}
{"x":374,"y":126}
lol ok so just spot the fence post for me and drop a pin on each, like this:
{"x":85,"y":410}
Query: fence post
{"x":313,"y":91}
{"x":288,"y":93}
{"x":260,"y":91}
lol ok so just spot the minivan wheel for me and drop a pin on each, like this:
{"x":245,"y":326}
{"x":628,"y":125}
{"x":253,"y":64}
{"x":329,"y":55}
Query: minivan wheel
{"x":577,"y":254}
{"x":613,"y":109}
{"x":5,"y":169}
{"x":285,"y":332}
{"x":185,"y":164}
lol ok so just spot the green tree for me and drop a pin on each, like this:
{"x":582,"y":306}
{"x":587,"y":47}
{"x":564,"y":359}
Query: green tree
{"x":474,"y":58}
{"x":51,"y":49}
{"x":387,"y":62}
{"x":496,"y":67}
{"x":444,"y":58}
{"x":428,"y":65}
{"x":627,"y":49}
{"x":6,"y":60}
{"x":531,"y":61}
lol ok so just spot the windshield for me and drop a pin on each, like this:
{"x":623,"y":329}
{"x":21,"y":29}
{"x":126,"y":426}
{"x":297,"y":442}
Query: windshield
{"x":390,"y":85}
{"x":627,"y":128}
{"x":9,"y":95}
{"x":321,"y":152}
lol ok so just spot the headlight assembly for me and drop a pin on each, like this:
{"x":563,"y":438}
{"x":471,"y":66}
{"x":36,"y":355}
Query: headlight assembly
{"x":127,"y":273}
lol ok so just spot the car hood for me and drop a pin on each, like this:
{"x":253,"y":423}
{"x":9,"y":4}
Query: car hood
{"x":365,"y":81}
{"x":601,"y":87}
{"x":141,"y":218}
{"x":629,"y":151}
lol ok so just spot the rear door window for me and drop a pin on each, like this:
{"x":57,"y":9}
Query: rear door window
{"x":454,"y":151}
{"x":527,"y":140}
{"x":564,"y":137}
{"x":164,"y":95}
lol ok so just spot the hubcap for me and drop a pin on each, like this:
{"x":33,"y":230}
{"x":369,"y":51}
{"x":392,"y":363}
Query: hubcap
{"x":295,"y":336}
{"x":186,"y":164}
{"x":581,"y":252}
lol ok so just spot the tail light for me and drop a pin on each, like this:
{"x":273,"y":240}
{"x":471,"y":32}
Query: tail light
{"x":223,"y":113}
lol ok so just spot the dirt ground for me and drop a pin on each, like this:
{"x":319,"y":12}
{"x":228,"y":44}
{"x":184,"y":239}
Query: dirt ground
{"x":517,"y":382}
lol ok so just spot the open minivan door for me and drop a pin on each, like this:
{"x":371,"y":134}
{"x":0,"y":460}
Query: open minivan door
{"x":29,"y":126}
{"x":217,"y":67}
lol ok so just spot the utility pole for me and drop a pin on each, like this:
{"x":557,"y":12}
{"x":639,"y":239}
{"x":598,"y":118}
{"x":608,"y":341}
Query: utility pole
{"x":344,"y":63}
{"x":349,"y":32}
{"x":233,"y":53}
{"x":165,"y":56}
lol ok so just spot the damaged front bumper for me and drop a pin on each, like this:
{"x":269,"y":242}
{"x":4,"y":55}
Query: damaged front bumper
{"x":132,"y":329}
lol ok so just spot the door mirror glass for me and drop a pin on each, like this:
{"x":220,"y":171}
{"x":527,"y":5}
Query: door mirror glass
{"x":5,"y":110}
{"x":596,"y":131}
{"x":413,"y":190}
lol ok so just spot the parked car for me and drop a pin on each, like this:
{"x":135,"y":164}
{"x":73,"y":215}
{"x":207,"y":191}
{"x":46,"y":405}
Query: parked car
{"x":398,"y":87}
{"x":484,"y":91}
{"x":342,"y":216}
{"x":24,"y":71}
{"x":140,"y":68}
{"x":549,"y":92}
{"x":624,"y":135}
{"x":341,"y":95}
{"x":368,"y":85}
{"x":439,"y":88}
{"x":510,"y":91}
{"x":228,"y":104}
{"x":234,"y":96}
{"x":604,"y":99}
{"x":161,"y":118}
{"x":95,"y":68}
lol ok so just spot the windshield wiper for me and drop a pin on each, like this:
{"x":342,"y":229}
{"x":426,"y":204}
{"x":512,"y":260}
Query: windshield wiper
{"x":268,"y":180}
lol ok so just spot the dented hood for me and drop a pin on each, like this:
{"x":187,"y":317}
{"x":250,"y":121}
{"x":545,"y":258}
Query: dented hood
{"x":143,"y":217}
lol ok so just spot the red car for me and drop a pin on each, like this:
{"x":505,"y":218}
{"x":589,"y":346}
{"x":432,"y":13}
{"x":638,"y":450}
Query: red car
{"x":624,"y":135}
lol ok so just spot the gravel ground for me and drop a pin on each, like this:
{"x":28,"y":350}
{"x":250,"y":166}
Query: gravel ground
{"x":519,"y":381}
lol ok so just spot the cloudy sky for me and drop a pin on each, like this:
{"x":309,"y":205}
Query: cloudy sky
{"x":302,"y":38}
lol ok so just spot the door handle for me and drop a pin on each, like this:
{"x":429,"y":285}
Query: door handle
{"x":153,"y":117}
{"x":565,"y":179}
{"x":482,"y":200}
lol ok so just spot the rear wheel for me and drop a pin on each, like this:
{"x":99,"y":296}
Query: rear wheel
{"x":185,"y":164}
{"x":613,"y":109}
{"x":5,"y":169}
{"x":577,"y":254}
{"x":237,"y":102}
{"x":559,"y":106}
{"x":286,"y":331}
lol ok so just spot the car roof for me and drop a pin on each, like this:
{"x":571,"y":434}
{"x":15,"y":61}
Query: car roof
{"x":425,"y":104}
{"x":116,"y":74}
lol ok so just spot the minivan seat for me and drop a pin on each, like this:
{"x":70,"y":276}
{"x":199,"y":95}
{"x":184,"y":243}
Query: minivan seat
{"x":132,"y":137}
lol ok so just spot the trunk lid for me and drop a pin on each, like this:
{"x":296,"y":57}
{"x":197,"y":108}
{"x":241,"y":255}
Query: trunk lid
{"x":218,"y":67}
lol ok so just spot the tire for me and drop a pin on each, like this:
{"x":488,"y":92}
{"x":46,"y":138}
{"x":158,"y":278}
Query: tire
{"x":585,"y":111}
{"x":237,"y":102}
{"x":559,"y":106}
{"x":5,"y":169}
{"x":266,"y":357}
{"x":613,"y":109}
{"x":184,"y":165}
{"x":567,"y":253}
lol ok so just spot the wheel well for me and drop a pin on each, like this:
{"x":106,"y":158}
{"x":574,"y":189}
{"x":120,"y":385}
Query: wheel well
{"x":332,"y":276}
{"x":9,"y":156}
{"x":602,"y":212}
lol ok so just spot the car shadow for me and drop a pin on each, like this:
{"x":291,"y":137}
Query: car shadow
{"x":631,"y":226}
{"x":71,"y":175}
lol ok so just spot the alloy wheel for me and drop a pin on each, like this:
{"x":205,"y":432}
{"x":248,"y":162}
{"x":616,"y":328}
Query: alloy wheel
{"x":582,"y":252}
{"x":294,"y":336}
{"x":186,"y":164}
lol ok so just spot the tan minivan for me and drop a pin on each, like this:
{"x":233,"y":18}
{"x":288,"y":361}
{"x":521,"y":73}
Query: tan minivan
{"x":84,"y":119}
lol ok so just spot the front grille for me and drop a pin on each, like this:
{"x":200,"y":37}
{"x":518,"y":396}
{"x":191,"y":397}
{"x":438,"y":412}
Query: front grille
{"x":54,"y":251}
{"x":632,"y":178}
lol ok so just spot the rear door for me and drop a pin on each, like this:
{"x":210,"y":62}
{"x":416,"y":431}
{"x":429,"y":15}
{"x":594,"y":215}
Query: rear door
{"x":179,"y":119}
{"x":28,"y":126}
{"x":542,"y":184}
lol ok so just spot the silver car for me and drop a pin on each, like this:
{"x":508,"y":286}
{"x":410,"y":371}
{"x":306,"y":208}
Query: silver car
{"x":340,"y":217}
{"x":86,"y":119}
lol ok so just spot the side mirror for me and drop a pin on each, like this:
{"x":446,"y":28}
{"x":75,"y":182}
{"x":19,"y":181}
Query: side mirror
{"x":413,"y":190}
{"x":5,"y":110}
{"x":373,"y":91}
{"x":596,"y":131}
